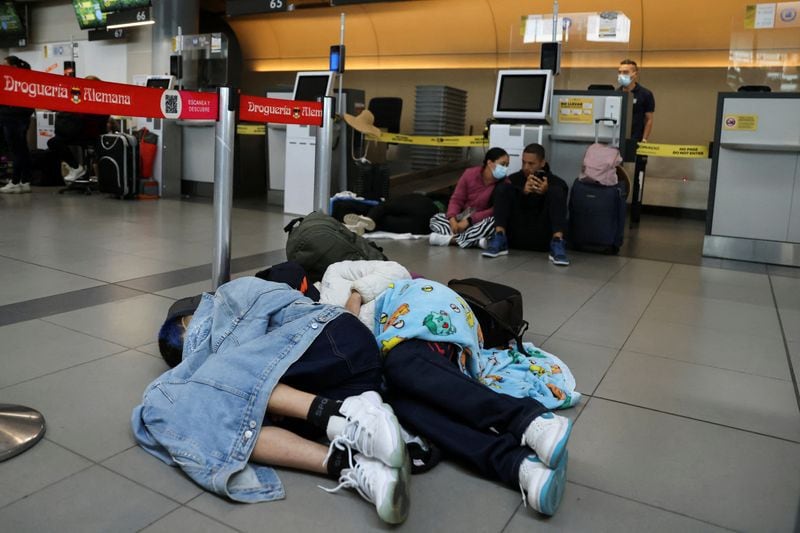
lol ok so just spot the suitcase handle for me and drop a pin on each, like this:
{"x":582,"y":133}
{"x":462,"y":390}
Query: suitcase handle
{"x":614,"y":132}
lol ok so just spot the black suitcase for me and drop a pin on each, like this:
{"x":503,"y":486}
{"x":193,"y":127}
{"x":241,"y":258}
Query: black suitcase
{"x":117,"y":164}
{"x":597,"y":216}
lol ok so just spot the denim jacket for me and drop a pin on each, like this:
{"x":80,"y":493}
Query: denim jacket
{"x":204,"y":415}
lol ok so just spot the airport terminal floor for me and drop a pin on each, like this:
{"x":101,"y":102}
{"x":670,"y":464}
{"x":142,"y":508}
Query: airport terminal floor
{"x":689,"y":421}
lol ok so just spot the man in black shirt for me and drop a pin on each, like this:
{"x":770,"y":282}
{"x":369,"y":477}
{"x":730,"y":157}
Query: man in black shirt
{"x":530,"y":210}
{"x":644,"y":104}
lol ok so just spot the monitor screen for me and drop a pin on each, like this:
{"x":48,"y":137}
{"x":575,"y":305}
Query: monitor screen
{"x":523,"y":94}
{"x":309,"y":86}
{"x":10,"y":21}
{"x":107,"y":6}
{"x":159,"y":82}
{"x":89,"y":14}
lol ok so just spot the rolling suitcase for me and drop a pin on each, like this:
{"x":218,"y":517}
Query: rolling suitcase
{"x":117,"y":164}
{"x":597,"y":210}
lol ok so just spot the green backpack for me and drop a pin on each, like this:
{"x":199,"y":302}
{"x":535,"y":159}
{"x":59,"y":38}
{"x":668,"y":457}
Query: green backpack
{"x":317,"y":240}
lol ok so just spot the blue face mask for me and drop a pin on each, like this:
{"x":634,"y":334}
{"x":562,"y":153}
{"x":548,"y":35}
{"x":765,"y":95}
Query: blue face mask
{"x":624,"y":80}
{"x":499,"y":171}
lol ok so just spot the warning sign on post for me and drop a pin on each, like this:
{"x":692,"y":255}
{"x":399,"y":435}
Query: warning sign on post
{"x":740,"y":122}
{"x":576,"y":110}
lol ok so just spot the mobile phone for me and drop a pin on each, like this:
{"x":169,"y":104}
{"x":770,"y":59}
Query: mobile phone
{"x":539,"y":173}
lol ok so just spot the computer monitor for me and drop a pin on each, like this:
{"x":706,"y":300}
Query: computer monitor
{"x":309,"y":86}
{"x":160,"y":82}
{"x":523,"y":94}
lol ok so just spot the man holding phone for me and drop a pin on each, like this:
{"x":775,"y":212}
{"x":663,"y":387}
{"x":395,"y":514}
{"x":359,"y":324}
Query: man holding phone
{"x":530,"y":210}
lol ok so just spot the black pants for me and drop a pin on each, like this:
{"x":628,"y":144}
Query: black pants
{"x":467,"y":420}
{"x":343,"y":361}
{"x":531,"y":220}
{"x":409,"y":213}
{"x":15,"y":131}
{"x":60,"y":146}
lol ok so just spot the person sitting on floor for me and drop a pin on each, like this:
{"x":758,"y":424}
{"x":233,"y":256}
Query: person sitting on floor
{"x":255,"y":379}
{"x":530,"y":210}
{"x":469,"y":216}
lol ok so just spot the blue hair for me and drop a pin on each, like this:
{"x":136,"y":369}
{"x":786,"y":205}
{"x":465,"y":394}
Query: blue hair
{"x":170,"y":341}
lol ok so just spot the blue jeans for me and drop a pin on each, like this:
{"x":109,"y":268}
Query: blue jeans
{"x":466,"y":419}
{"x":343,"y":361}
{"x":15,"y":131}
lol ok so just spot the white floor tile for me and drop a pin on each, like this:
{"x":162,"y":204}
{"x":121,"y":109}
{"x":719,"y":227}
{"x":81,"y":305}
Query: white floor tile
{"x":87,"y":408}
{"x":131,"y":322}
{"x":92,"y":500}
{"x":754,"y":403}
{"x":184,"y":520}
{"x":141,"y":467}
{"x":732,"y":478}
{"x":34,"y":348}
{"x":762,"y":356}
{"x":587,"y":362}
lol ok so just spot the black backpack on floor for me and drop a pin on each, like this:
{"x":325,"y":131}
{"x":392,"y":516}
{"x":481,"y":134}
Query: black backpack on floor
{"x":497,"y":307}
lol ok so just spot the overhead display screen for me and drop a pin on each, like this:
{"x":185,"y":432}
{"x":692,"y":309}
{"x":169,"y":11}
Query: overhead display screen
{"x":89,"y":14}
{"x":10,"y":22}
{"x":107,"y":6}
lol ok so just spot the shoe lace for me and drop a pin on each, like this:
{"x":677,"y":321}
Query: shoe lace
{"x":355,"y":436}
{"x":355,"y":477}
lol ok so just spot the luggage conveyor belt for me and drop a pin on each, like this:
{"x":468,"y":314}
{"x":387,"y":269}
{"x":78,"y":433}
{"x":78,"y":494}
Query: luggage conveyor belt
{"x":440,"y":179}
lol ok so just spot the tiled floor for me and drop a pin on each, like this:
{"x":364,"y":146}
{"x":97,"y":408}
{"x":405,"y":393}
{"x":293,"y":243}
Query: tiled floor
{"x":689,"y":368}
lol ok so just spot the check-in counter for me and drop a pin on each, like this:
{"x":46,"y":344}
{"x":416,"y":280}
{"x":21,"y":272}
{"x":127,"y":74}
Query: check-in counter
{"x":754,"y":199}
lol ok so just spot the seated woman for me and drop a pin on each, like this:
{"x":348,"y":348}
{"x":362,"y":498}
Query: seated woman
{"x":469,"y":216}
{"x":76,"y":129}
{"x":260,"y":370}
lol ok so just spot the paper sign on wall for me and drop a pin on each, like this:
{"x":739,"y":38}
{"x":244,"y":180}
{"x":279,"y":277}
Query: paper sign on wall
{"x":576,"y":110}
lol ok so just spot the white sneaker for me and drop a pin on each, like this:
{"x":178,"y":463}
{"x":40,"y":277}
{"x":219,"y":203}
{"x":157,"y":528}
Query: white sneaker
{"x":353,"y":219}
{"x":547,"y":435}
{"x":369,"y":427}
{"x":386,"y":487}
{"x":11,"y":188}
{"x":358,"y":229}
{"x":483,"y":243}
{"x":75,"y":173}
{"x":440,"y":239}
{"x":542,"y":488}
{"x":24,"y":188}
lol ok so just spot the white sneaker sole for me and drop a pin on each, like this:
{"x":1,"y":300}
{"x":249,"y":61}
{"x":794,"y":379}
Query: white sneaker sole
{"x":354,"y":219}
{"x":395,"y":505}
{"x":558,"y":262}
{"x":492,"y":254}
{"x":550,"y":491}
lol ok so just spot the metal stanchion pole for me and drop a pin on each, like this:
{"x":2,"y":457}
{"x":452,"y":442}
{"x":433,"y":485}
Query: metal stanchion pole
{"x":324,"y":149}
{"x":223,"y":186}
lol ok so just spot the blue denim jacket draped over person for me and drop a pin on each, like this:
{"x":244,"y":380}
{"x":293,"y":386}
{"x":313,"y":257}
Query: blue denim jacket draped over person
{"x":204,"y":415}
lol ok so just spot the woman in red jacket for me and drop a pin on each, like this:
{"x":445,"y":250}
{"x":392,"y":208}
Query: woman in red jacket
{"x":470,"y":215}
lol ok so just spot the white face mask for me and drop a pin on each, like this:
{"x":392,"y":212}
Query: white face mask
{"x":624,"y":79}
{"x":499,"y":171}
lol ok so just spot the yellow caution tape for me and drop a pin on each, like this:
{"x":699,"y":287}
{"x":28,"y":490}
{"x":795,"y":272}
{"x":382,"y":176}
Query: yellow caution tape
{"x":251,"y":129}
{"x":672,"y":150}
{"x":425,"y":140}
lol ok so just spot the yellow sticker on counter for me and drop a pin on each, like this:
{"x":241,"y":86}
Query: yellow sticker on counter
{"x":425,"y":140}
{"x":740,"y":122}
{"x":251,"y":129}
{"x":576,"y":110}
{"x":672,"y":150}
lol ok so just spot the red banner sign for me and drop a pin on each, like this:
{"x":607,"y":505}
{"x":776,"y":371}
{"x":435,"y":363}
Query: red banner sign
{"x":278,"y":111}
{"x":27,"y":88}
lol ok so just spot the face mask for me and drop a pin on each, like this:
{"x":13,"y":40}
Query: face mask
{"x":499,"y":172}
{"x":624,"y":80}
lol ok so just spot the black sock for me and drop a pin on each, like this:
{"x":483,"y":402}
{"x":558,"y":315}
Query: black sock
{"x":321,"y":410}
{"x":337,"y":462}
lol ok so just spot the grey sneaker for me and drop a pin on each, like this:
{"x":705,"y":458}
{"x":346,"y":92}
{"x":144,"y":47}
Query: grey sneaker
{"x":11,"y":188}
{"x":377,"y":483}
